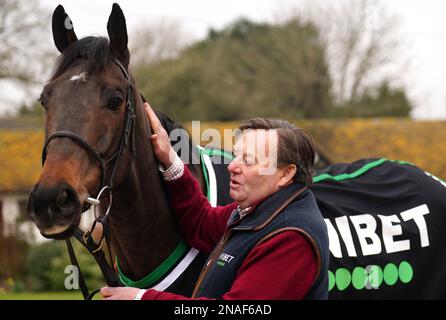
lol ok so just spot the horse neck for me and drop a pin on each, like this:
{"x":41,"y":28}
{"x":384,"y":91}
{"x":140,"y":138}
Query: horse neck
{"x":143,"y":229}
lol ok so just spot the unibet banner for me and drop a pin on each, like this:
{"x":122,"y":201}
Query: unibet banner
{"x":386,"y":222}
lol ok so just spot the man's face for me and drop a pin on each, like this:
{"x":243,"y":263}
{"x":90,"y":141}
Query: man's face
{"x":254,"y":174}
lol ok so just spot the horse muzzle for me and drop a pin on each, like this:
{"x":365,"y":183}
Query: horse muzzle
{"x":56,"y":210}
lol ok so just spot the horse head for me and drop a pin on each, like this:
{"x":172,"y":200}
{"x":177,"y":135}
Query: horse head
{"x":89,"y":123}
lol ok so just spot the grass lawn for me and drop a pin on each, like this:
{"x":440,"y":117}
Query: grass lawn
{"x":75,"y":295}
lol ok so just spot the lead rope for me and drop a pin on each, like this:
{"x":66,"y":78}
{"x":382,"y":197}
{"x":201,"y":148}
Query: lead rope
{"x":82,"y":284}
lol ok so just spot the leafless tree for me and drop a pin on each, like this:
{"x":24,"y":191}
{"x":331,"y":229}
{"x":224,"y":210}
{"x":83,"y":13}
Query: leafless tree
{"x":363,"y":39}
{"x":23,"y":27}
{"x":156,"y":41}
{"x":25,"y":55}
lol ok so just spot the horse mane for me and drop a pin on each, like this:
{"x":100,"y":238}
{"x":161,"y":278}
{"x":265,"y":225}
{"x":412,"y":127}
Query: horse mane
{"x":94,"y":51}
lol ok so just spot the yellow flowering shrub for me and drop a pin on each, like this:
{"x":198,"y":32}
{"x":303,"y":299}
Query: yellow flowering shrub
{"x":20,"y":156}
{"x":343,"y":140}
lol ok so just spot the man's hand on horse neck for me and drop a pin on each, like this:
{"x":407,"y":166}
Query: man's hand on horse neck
{"x":160,"y":139}
{"x":121,"y":293}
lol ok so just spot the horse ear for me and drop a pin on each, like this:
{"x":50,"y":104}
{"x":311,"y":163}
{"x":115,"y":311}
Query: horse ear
{"x":63,"y":31}
{"x":117,"y":32}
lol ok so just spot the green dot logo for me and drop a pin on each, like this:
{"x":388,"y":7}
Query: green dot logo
{"x":359,"y":278}
{"x":343,"y":278}
{"x":370,"y":277}
{"x":331,"y":280}
{"x":405,"y":271}
{"x":390,"y":274}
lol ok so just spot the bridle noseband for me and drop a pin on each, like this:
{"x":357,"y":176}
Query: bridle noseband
{"x":127,"y":139}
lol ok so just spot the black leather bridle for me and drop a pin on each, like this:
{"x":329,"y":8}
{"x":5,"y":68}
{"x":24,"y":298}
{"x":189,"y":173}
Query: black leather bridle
{"x":85,"y":238}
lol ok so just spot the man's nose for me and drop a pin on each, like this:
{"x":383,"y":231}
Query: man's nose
{"x":234,"y":167}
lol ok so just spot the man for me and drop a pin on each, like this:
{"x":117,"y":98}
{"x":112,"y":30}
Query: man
{"x":272,"y":242}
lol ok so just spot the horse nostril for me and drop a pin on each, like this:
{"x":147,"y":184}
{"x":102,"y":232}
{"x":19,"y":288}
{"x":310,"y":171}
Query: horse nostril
{"x":67,"y":201}
{"x":61,"y":198}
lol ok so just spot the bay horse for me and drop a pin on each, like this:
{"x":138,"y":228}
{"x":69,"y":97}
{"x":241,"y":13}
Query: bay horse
{"x":384,"y":217}
{"x":96,"y":136}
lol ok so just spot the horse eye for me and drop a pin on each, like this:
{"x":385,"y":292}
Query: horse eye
{"x":42,"y":101}
{"x":115,"y":103}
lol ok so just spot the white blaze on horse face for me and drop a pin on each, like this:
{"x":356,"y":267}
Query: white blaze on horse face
{"x":79,"y":77}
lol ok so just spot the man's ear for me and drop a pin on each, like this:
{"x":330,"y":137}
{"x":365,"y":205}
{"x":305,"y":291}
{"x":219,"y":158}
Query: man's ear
{"x":63,"y":31}
{"x":287,"y":174}
{"x":117,"y":32}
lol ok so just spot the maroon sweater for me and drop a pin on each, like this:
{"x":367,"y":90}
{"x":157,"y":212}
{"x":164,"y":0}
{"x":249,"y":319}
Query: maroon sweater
{"x":283,"y":267}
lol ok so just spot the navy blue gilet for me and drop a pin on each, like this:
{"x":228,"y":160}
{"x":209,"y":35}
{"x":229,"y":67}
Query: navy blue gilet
{"x":291,"y":208}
